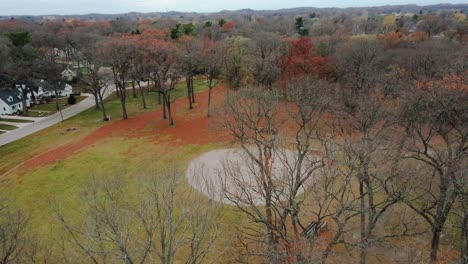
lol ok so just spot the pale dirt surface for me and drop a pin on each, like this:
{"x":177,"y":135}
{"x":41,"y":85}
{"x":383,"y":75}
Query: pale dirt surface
{"x":227,"y":173}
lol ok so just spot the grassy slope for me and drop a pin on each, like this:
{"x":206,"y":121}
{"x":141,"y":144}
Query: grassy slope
{"x":52,"y":107}
{"x":16,"y":120}
{"x":64,"y":178}
{"x":64,"y":182}
{"x":7,"y":127}
{"x":86,"y":122}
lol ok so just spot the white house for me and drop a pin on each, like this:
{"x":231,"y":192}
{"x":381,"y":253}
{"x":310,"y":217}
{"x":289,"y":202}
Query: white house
{"x":62,"y":91}
{"x":10,"y":101}
{"x":69,"y":74}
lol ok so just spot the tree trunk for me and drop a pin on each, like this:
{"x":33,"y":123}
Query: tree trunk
{"x":189,"y":92}
{"x":96,"y":99}
{"x":23,"y":101}
{"x":209,"y":101}
{"x":123,"y":98}
{"x":142,"y":95}
{"x":192,"y":90}
{"x":464,"y":239}
{"x":104,"y":114}
{"x":435,"y":244}
{"x":332,"y":243}
{"x":57,"y":105}
{"x":117,"y":90}
{"x":363,"y":254}
{"x":169,"y":112}
{"x":164,"y":106}
{"x":133,"y":89}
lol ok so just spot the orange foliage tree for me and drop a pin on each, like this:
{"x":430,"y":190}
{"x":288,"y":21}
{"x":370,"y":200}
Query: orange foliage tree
{"x":301,"y":60}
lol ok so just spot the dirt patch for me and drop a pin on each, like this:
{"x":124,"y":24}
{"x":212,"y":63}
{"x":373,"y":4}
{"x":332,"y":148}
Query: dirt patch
{"x":226,"y":175}
{"x":190,"y":128}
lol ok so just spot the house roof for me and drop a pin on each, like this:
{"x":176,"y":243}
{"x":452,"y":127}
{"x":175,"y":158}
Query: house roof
{"x":46,"y":86}
{"x":10,"y":96}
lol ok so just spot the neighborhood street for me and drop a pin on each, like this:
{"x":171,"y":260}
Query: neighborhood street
{"x":42,"y":123}
{"x":25,"y":130}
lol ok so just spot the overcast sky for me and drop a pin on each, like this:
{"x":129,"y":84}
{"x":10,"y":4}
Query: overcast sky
{"x":43,"y":7}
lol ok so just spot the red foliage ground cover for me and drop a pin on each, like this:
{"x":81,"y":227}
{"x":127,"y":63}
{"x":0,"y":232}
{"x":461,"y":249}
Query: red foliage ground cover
{"x":192,"y":127}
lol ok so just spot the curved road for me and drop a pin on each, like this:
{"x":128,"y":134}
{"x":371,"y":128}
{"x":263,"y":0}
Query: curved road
{"x":45,"y":122}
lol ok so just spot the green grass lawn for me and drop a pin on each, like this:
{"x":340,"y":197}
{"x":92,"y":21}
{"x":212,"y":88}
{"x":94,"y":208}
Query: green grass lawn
{"x":16,"y":120}
{"x":7,"y":127}
{"x":64,"y":182}
{"x":85,"y":122}
{"x":52,"y":107}
{"x":181,"y":88}
{"x":38,"y":113}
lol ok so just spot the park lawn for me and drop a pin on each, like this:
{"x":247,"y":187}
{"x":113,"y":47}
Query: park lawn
{"x":52,"y":107}
{"x":64,"y":184}
{"x":16,"y":120}
{"x":181,"y":88}
{"x":65,"y":180}
{"x":38,"y":190}
{"x":19,"y":151}
{"x":32,"y":113}
{"x":7,"y":127}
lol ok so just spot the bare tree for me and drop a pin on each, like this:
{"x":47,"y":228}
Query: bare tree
{"x":435,"y":120}
{"x":51,"y":69}
{"x":13,"y":231}
{"x":212,"y":63}
{"x":190,"y":63}
{"x":95,"y":75}
{"x":277,"y":138}
{"x":117,"y":52}
{"x":154,"y":226}
{"x":264,"y":51}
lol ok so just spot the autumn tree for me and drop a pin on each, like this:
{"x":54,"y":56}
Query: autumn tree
{"x":234,"y":70}
{"x":301,"y":60}
{"x":434,"y":117}
{"x":13,"y":233}
{"x":273,"y":134}
{"x":4,"y":52}
{"x":140,"y":71}
{"x":264,"y":53}
{"x":162,"y":223}
{"x":432,"y":24}
{"x":161,"y":56}
{"x":190,"y":63}
{"x":117,"y":53}
{"x":50,"y":69}
{"x":211,"y":62}
{"x":93,"y":74}
{"x":22,"y":64}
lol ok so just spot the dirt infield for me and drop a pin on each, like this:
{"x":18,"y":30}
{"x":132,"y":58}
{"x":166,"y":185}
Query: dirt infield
{"x":230,"y":175}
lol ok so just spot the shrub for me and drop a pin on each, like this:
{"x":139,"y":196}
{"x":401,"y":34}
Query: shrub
{"x":71,"y":99}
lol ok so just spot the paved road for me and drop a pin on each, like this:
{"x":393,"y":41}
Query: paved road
{"x":47,"y":121}
{"x":55,"y":118}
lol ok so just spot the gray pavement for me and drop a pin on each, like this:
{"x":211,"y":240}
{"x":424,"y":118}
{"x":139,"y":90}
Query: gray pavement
{"x":28,"y":129}
{"x":46,"y":122}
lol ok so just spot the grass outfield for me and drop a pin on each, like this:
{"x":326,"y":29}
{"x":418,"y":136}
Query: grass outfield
{"x":7,"y":127}
{"x":19,"y":151}
{"x":52,"y":107}
{"x":16,"y":120}
{"x":34,"y":190}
